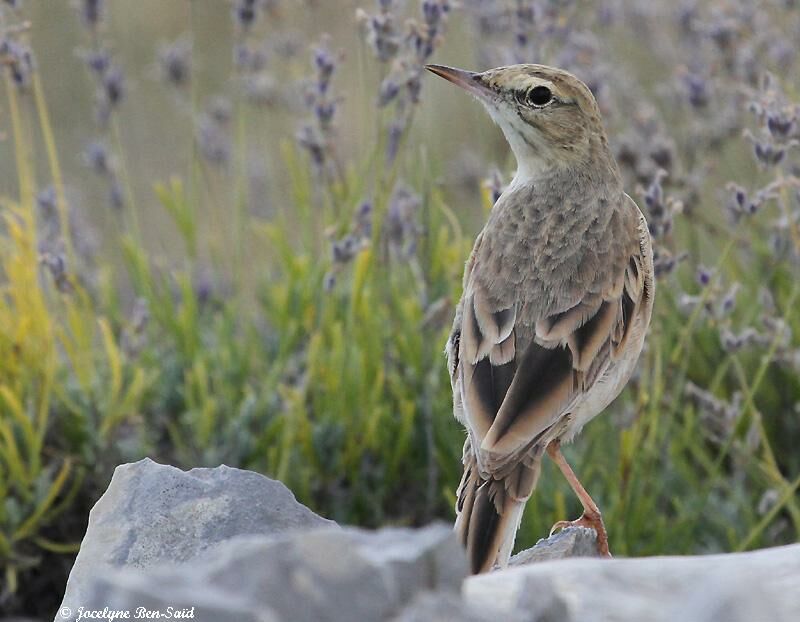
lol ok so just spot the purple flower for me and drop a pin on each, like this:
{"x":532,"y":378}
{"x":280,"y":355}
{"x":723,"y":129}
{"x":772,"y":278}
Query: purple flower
{"x":175,"y":61}
{"x":97,"y":158}
{"x":92,"y":12}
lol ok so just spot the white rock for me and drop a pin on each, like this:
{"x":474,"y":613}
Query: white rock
{"x":325,"y":574}
{"x":755,"y":586}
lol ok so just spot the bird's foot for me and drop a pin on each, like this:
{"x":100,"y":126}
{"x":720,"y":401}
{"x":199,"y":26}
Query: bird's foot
{"x":592,"y":521}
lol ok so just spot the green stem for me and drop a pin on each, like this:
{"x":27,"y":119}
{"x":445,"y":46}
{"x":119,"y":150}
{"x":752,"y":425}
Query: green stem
{"x":55,"y":167}
{"x":126,"y":181}
{"x":21,"y":145}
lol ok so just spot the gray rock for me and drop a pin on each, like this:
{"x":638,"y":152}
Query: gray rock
{"x":326,"y":574}
{"x":570,"y":542}
{"x":225,"y":545}
{"x":142,"y":594}
{"x":152,"y":514}
{"x":761,"y":585}
{"x":438,"y":607}
{"x":730,"y":596}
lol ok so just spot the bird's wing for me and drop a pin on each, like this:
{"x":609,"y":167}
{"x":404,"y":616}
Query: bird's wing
{"x":512,"y":390}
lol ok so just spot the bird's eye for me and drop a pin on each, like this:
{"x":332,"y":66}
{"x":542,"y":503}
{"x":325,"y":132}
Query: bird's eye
{"x":538,"y":96}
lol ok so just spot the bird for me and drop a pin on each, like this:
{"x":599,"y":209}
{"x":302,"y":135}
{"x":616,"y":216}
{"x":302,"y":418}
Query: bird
{"x":557,"y":298}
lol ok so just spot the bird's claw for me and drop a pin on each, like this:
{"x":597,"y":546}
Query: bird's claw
{"x":592,"y":522}
{"x":562,"y":524}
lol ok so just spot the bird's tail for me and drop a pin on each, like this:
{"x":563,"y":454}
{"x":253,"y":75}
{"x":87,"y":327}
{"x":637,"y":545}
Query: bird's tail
{"x":489,"y":512}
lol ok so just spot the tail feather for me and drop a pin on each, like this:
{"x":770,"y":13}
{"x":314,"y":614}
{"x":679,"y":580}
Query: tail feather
{"x":489,"y":512}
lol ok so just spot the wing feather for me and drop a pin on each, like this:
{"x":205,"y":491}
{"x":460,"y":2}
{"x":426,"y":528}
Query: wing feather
{"x":495,"y":324}
{"x":586,"y":339}
{"x":513,"y":396}
{"x":540,"y":389}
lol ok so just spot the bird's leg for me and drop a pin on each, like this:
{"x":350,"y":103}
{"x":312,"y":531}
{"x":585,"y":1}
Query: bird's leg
{"x":591,"y":514}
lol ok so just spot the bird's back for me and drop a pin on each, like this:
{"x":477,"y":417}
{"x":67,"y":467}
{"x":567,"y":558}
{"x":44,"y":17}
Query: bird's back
{"x":550,"y":244}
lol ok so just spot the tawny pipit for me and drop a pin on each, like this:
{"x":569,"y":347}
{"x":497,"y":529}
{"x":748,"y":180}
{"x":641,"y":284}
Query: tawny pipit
{"x":558,"y":293}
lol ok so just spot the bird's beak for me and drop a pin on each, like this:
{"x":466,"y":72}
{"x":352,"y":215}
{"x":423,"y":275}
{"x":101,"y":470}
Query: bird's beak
{"x":467,"y":80}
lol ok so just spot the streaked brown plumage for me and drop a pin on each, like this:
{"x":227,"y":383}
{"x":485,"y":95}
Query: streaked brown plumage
{"x":558,"y":293}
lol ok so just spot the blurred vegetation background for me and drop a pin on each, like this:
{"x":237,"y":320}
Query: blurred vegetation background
{"x":235,"y":232}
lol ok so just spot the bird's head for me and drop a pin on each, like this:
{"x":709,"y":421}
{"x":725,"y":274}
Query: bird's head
{"x":549,"y":117}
